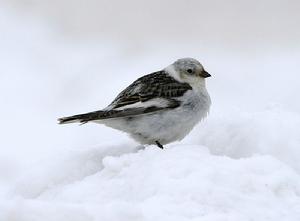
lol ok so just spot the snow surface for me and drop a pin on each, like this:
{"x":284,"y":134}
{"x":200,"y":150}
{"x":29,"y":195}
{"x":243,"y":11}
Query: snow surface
{"x":183,"y":182}
{"x":241,"y":163}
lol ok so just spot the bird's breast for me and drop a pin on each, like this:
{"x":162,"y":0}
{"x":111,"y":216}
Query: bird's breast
{"x":198,"y":101}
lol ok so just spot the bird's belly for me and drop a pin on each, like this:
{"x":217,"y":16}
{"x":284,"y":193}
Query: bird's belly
{"x":164,"y":126}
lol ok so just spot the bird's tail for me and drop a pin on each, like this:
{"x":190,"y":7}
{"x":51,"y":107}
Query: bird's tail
{"x":81,"y":118}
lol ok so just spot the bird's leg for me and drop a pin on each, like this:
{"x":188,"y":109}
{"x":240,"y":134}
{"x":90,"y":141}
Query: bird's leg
{"x":159,"y":145}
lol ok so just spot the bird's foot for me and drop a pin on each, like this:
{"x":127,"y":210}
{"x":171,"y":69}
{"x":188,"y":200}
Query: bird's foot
{"x":159,"y":145}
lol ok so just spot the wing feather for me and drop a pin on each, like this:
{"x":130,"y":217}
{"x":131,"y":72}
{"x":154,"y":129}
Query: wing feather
{"x":156,"y":85}
{"x":151,"y":93}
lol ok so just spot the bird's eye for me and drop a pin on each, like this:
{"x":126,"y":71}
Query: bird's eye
{"x":189,"y":71}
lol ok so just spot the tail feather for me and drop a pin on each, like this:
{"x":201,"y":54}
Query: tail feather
{"x":81,"y":118}
{"x":109,"y":114}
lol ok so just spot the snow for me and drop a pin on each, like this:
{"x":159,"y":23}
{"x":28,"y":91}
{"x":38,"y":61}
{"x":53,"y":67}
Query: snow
{"x":273,"y":131}
{"x":241,"y":163}
{"x":183,"y":182}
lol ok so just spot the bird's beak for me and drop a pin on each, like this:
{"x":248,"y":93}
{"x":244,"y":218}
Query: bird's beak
{"x":205,"y":74}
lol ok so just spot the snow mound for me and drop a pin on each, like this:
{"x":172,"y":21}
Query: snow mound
{"x":182,"y":182}
{"x":235,"y":133}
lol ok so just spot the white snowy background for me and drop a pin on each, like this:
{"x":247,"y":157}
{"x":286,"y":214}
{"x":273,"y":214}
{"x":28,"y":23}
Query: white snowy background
{"x":65,"y":57}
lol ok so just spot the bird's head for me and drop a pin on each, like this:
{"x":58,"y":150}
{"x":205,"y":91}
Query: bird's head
{"x":188,"y":70}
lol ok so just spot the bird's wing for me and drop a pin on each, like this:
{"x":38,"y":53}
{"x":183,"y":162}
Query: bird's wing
{"x":102,"y":115}
{"x":158,"y":88}
{"x":151,"y":93}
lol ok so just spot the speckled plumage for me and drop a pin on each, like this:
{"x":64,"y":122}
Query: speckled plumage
{"x":156,"y":85}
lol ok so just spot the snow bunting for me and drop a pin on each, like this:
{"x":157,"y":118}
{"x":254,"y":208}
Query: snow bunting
{"x":158,"y":108}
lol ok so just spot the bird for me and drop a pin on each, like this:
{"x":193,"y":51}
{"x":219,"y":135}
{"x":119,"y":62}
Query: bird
{"x":158,"y":108}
